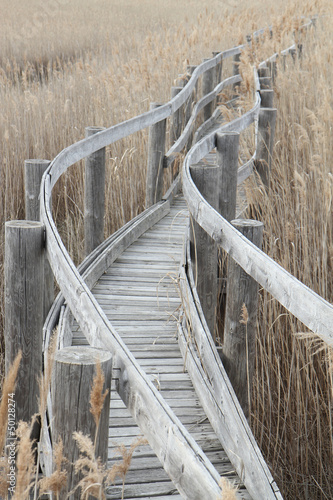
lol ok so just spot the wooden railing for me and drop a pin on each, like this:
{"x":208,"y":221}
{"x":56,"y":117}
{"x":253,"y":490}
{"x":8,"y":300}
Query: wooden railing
{"x":172,"y":443}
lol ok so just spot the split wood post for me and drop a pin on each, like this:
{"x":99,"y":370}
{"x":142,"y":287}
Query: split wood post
{"x":235,"y":69}
{"x":156,"y":151}
{"x":24,"y":315}
{"x":239,"y":336}
{"x":218,"y":76}
{"x":94,"y":196}
{"x":190,"y":104}
{"x":208,"y":80}
{"x":227,"y":146}
{"x":266,"y":131}
{"x":73,"y":373}
{"x":34,"y":170}
{"x":176,"y":121}
{"x":267,"y":98}
{"x":203,"y":247}
{"x":272,"y":66}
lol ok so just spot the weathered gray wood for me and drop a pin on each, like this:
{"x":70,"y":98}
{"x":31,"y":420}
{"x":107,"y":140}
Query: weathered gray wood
{"x":227,"y":145}
{"x":176,"y":121}
{"x":171,"y":442}
{"x":24,"y":318}
{"x":217,"y":396}
{"x":94,"y":196}
{"x":203,"y":247}
{"x":267,"y":98}
{"x":264,"y":152}
{"x":208,"y":84}
{"x":34,"y":170}
{"x":73,"y":373}
{"x":156,"y":150}
{"x":240,"y":325}
{"x":306,"y":305}
{"x":265,"y":82}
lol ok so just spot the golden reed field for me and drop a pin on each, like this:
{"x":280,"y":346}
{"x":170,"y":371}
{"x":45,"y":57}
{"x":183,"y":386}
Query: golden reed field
{"x":68,"y":64}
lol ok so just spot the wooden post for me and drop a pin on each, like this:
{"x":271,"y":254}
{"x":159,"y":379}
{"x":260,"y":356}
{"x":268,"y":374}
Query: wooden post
{"x":176,"y":118}
{"x":235,"y":69}
{"x":94,"y":196}
{"x":33,"y":173}
{"x":227,"y":145}
{"x":266,"y":130}
{"x":73,"y":373}
{"x":203,"y":247}
{"x":24,"y":280}
{"x":267,"y":98}
{"x":239,"y":337}
{"x":156,"y":151}
{"x":265,"y":82}
{"x":218,"y":76}
{"x":208,"y":80}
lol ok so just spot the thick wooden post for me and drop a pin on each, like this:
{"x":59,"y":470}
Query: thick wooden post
{"x":267,"y":98}
{"x":156,"y":151}
{"x":235,"y":69}
{"x":33,"y":172}
{"x":176,"y":118}
{"x":73,"y":372}
{"x":203,"y":247}
{"x":240,"y":324}
{"x":24,"y":318}
{"x":227,"y":145}
{"x":266,"y":130}
{"x":208,"y":80}
{"x":94,"y":196}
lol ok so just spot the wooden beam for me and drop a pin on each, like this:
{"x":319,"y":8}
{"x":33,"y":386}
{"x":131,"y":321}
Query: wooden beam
{"x":94,"y":196}
{"x":24,"y":318}
{"x":33,"y":173}
{"x":73,"y":373}
{"x":156,"y":150}
{"x":240,"y":324}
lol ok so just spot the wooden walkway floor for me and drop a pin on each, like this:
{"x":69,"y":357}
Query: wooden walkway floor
{"x":139,"y":294}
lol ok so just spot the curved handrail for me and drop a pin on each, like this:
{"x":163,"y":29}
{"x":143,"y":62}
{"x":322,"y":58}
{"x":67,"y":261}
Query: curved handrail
{"x":148,"y":407}
{"x":311,"y":309}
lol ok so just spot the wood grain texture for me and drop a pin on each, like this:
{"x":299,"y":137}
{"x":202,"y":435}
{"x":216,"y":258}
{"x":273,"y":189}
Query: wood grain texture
{"x":72,"y":379}
{"x":24,"y":313}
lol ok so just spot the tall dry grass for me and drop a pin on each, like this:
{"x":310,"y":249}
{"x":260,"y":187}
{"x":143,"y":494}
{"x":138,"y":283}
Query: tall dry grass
{"x":292,"y":403}
{"x":104,"y":62}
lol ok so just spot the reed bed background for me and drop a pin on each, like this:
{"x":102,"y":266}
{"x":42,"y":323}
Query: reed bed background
{"x":65,"y":65}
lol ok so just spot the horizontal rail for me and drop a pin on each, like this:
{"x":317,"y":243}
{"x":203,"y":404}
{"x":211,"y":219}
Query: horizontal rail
{"x":311,"y":309}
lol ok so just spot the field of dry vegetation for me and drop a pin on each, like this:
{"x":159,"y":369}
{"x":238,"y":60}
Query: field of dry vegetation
{"x":68,"y":64}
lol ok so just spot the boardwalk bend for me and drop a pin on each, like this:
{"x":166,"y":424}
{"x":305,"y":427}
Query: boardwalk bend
{"x":139,"y":295}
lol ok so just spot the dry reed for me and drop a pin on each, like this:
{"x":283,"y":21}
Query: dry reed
{"x":56,"y":87}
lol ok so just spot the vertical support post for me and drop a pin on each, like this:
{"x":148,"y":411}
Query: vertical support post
{"x":94,"y":196}
{"x":176,"y":118}
{"x":227,"y":145}
{"x":235,"y":68}
{"x":266,"y":130}
{"x":208,"y":79}
{"x":267,"y":98}
{"x":24,"y":280}
{"x":70,"y":405}
{"x":156,"y":151}
{"x":33,"y":173}
{"x":203,"y":247}
{"x":240,"y":329}
{"x":218,"y":75}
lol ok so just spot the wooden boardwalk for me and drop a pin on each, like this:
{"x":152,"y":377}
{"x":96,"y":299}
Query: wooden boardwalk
{"x":139,"y":294}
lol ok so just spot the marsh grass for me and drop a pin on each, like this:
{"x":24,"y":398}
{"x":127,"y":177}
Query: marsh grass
{"x":109,"y":71}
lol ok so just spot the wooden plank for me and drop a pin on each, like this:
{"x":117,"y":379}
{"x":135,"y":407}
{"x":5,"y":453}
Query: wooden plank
{"x":214,"y":388}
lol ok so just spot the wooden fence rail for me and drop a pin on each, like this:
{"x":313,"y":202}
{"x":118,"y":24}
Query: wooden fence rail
{"x":171,"y":442}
